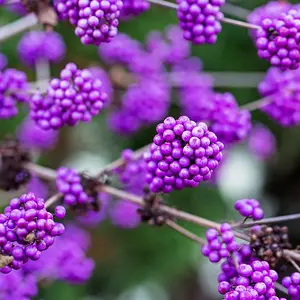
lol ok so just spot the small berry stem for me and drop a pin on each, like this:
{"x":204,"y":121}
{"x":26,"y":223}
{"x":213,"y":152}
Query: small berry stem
{"x":236,"y":11}
{"x":281,"y":288}
{"x":240,"y":23}
{"x":120,"y":161}
{"x":292,"y":254}
{"x":53,"y":199}
{"x":256,"y":104}
{"x":268,"y":221}
{"x":40,"y":171}
{"x":164,"y":3}
{"x":18,"y":26}
{"x":295,"y":265}
{"x":185,"y":232}
{"x":43,"y":72}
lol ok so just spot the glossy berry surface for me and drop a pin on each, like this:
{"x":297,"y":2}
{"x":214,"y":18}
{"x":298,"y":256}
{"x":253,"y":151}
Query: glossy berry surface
{"x":183,"y":154}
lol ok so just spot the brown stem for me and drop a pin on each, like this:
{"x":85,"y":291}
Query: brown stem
{"x":120,"y":161}
{"x":293,"y":263}
{"x":268,"y":221}
{"x":53,"y":199}
{"x":185,"y":232}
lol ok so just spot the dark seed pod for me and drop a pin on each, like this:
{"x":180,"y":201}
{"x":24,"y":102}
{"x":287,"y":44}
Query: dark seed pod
{"x":269,"y":242}
{"x":13,"y":158}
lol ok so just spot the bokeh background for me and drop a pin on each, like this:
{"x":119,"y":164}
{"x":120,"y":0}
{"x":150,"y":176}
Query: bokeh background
{"x":155,"y":263}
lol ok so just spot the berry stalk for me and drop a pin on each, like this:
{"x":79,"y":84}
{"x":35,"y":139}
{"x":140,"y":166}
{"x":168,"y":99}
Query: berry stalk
{"x":269,"y":221}
{"x":18,"y":26}
{"x":185,"y":232}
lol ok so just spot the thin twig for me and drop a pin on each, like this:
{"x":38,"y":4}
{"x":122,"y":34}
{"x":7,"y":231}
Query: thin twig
{"x":256,"y":104}
{"x":40,"y":171}
{"x":296,"y":266}
{"x":185,"y":232}
{"x":18,"y":26}
{"x":120,"y":161}
{"x":43,"y":73}
{"x":236,"y":11}
{"x":292,"y":254}
{"x":53,"y":199}
{"x":281,"y":288}
{"x":240,"y":23}
{"x":269,"y":221}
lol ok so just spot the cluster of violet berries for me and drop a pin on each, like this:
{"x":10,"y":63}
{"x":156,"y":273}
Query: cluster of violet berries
{"x":26,"y":230}
{"x":183,"y":154}
{"x":68,"y":182}
{"x":261,"y":142}
{"x":278,"y":40}
{"x":74,"y":97}
{"x":219,"y":244}
{"x":292,"y":283}
{"x":249,"y":208}
{"x":36,"y":46}
{"x":66,"y":260}
{"x":96,"y":21}
{"x":282,"y":93}
{"x":255,"y":281}
{"x":133,"y":8}
{"x":13,"y":87}
{"x":200,"y":20}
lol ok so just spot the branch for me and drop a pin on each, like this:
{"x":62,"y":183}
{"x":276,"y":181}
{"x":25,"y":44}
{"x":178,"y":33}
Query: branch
{"x":120,"y":161}
{"x":18,"y":26}
{"x":268,"y":221}
{"x":185,"y":232}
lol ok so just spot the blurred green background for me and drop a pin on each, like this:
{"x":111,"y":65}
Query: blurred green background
{"x":156,"y":263}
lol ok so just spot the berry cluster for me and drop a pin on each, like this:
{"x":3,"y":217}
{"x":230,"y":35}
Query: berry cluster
{"x":278,"y":40}
{"x":282,"y":93}
{"x":228,"y":268}
{"x":13,"y":173}
{"x":200,"y":20}
{"x":125,"y":214}
{"x":27,"y":229}
{"x":219,"y":244}
{"x":183,"y":154}
{"x":32,"y":136}
{"x":269,"y":242}
{"x":292,"y":283}
{"x":249,"y":208}
{"x":272,"y":10}
{"x":171,"y":48}
{"x":133,"y":8}
{"x":71,"y":184}
{"x":99,"y":73}
{"x":92,"y":218}
{"x":255,"y":281}
{"x":13,"y":90}
{"x":262,"y":142}
{"x":36,"y":46}
{"x":66,"y":260}
{"x":67,"y":9}
{"x":230,"y":123}
{"x":132,"y":175}
{"x":18,"y":285}
{"x":98,"y":20}
{"x":70,"y":99}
